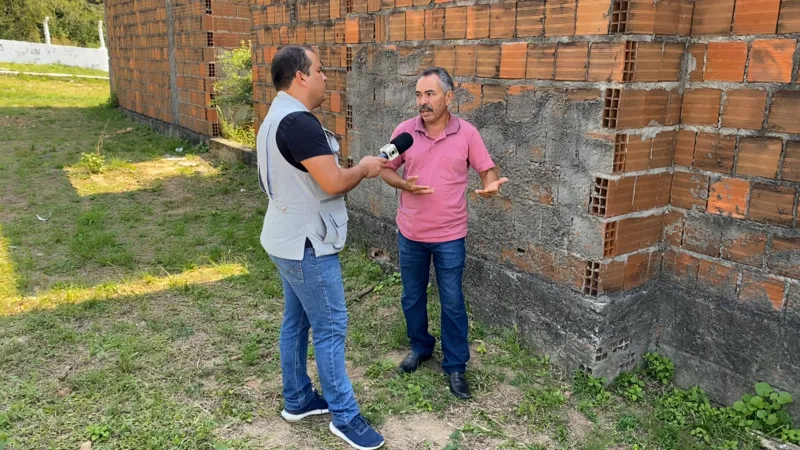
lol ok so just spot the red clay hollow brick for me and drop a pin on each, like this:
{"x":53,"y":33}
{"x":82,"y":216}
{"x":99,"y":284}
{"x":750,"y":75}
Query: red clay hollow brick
{"x":744,"y":108}
{"x":758,"y":157}
{"x":725,"y":61}
{"x":771,"y":60}
{"x":728,"y":197}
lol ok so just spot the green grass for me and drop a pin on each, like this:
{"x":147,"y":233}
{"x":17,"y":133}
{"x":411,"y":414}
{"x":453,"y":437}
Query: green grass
{"x":52,"y":68}
{"x":143,"y":313}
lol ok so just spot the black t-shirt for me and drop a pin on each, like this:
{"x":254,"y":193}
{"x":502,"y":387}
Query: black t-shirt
{"x":300,"y":136}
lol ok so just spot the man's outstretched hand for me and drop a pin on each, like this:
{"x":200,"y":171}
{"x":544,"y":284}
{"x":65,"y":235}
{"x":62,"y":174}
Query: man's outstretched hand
{"x":491,"y":189}
{"x":414,"y":188}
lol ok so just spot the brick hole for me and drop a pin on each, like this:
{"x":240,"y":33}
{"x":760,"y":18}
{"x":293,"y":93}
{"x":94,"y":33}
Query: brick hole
{"x":591,"y":279}
{"x":584,"y":369}
{"x":630,"y":61}
{"x":520,"y":250}
{"x":349,"y":162}
{"x":349,"y":6}
{"x":597,"y":200}
{"x":610,"y":240}
{"x":349,"y":58}
{"x":212,"y":70}
{"x":619,"y":16}
{"x":210,"y":38}
{"x":630,"y":363}
{"x":611,"y":108}
{"x":215,"y":130}
{"x":600,"y":355}
{"x":349,"y":118}
{"x":620,"y":152}
{"x":208,"y":6}
{"x":622,"y":344}
{"x":213,"y":98}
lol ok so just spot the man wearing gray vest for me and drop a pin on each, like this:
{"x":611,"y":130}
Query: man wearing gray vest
{"x":304,"y":229}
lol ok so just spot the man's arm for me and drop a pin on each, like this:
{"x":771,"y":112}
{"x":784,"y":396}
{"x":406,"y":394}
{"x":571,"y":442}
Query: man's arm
{"x":488,"y":177}
{"x":305,"y":139}
{"x":394,"y":180}
{"x":335,"y":180}
{"x":480,"y":160}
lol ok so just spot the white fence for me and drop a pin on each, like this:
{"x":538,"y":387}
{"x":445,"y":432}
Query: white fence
{"x":32,"y":53}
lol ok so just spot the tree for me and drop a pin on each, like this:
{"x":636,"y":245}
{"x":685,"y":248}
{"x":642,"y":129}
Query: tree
{"x":72,"y":22}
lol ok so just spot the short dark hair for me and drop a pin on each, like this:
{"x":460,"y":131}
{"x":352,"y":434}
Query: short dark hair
{"x":444,"y":78}
{"x":287,"y":62}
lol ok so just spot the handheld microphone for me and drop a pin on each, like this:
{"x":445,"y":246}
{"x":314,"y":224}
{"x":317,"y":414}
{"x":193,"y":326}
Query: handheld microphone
{"x":396,"y":147}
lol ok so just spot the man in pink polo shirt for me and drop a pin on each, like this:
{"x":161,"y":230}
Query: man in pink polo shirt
{"x":432,"y":220}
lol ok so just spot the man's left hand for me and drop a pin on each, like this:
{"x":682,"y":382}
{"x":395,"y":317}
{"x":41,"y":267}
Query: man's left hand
{"x":491,"y":189}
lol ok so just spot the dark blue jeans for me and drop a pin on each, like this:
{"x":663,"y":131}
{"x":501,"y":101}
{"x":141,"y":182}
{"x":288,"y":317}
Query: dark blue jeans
{"x":448,"y":262}
{"x":314,"y":299}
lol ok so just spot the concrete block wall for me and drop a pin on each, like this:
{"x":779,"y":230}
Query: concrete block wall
{"x":733,"y":254}
{"x":163,"y":57}
{"x":652,"y":157}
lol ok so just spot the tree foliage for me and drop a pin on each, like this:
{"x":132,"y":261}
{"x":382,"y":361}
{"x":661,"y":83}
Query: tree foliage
{"x":72,"y":22}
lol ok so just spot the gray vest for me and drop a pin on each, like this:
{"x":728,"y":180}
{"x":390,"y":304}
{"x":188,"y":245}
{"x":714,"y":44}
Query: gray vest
{"x":298,"y":207}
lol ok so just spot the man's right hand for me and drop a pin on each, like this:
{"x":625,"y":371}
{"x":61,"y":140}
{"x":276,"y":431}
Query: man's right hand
{"x":373,"y":165}
{"x":412,"y":186}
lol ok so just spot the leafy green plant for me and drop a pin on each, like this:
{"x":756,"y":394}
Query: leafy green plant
{"x":659,"y":367}
{"x":243,"y":134}
{"x":391,"y":280}
{"x":418,"y":398}
{"x":685,"y":407}
{"x":93,"y":162}
{"x":539,"y":404}
{"x":234,"y":84}
{"x":627,"y":422}
{"x":98,"y":433}
{"x":72,"y":22}
{"x":630,"y":386}
{"x":233,"y":93}
{"x":587,"y":386}
{"x":5,"y":441}
{"x":765,"y":412}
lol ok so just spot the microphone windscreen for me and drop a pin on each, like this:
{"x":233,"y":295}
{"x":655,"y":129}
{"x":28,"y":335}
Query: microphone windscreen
{"x":402,"y":142}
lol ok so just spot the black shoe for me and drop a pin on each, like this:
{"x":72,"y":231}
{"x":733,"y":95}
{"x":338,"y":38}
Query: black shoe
{"x":412,"y":362}
{"x":459,"y":386}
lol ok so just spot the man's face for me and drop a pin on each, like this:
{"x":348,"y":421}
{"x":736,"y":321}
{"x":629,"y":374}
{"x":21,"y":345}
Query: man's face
{"x":315,"y":80}
{"x":432,"y":101}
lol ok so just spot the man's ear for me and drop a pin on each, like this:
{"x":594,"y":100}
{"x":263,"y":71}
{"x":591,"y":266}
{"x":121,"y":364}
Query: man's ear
{"x":300,"y":78}
{"x":449,"y":97}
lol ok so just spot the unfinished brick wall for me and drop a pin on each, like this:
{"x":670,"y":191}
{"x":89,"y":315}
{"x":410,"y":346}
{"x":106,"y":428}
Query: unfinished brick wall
{"x":319,"y":24}
{"x":735,"y":194}
{"x":163,"y":56}
{"x":653,"y":152}
{"x":737,"y":158}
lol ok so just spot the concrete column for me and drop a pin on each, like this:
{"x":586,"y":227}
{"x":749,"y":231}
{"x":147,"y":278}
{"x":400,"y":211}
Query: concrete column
{"x":46,"y":31}
{"x":100,"y":32}
{"x":173,"y":64}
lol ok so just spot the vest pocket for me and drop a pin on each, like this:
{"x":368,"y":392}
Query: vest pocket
{"x":335,"y":219}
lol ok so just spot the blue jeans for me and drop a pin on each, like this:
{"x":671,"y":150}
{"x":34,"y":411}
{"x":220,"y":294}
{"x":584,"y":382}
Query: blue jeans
{"x":448,"y":262}
{"x":314,"y":298}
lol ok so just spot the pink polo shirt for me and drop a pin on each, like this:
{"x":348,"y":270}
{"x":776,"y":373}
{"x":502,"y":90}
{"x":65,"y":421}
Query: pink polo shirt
{"x":443,"y":164}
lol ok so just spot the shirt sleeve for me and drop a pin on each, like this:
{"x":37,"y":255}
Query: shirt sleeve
{"x":479,"y":158}
{"x":397,"y":162}
{"x":306,"y":139}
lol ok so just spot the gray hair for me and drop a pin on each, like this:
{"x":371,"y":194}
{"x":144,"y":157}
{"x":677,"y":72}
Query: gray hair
{"x":444,"y":78}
